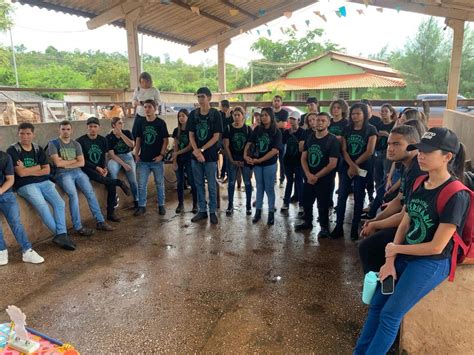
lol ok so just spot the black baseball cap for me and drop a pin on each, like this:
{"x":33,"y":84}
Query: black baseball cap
{"x":93,"y":120}
{"x":204,"y":90}
{"x":311,"y":100}
{"x":437,"y":138}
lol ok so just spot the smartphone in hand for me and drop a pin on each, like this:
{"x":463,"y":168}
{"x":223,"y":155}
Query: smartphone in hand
{"x":388,"y":285}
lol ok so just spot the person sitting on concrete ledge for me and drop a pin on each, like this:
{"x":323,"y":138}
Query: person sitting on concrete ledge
{"x":11,"y":211}
{"x":94,"y":147}
{"x":32,"y":173}
{"x":66,"y":155}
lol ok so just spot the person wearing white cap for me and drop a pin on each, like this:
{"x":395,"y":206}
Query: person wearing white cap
{"x":292,"y":162}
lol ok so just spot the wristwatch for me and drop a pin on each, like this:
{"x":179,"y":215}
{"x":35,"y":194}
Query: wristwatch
{"x":202,"y":150}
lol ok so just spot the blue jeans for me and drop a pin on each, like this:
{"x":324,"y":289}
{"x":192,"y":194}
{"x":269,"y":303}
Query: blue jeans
{"x":294,"y":173}
{"x":359,"y":196}
{"x":185,"y":167}
{"x":11,"y":211}
{"x":207,"y":170}
{"x":39,"y":195}
{"x":68,"y":180}
{"x":265,"y":177}
{"x":143,"y":170}
{"x":416,"y":278}
{"x":131,"y":175}
{"x":246,"y":176}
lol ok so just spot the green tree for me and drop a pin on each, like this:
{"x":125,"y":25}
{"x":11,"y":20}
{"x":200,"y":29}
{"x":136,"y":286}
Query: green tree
{"x":5,"y":15}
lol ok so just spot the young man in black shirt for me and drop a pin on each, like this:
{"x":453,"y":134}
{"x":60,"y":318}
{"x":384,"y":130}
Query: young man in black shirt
{"x":380,"y":231}
{"x":313,"y":107}
{"x":205,"y":128}
{"x":281,"y":118}
{"x":94,"y":146}
{"x":150,"y":149}
{"x":32,"y":173}
{"x":319,"y":161}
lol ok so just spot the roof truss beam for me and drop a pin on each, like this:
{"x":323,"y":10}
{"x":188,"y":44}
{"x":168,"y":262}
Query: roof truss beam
{"x":210,"y":41}
{"x":112,"y":14}
{"x":203,"y":13}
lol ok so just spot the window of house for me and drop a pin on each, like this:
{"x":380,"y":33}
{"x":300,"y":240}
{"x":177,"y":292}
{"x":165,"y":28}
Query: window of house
{"x":301,"y":96}
{"x":345,"y":95}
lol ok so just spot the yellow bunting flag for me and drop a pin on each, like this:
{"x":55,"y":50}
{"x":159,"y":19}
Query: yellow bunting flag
{"x":319,"y":14}
{"x":195,"y":10}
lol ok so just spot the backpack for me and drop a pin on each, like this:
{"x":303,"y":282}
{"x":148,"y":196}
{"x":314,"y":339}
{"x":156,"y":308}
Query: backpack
{"x":52,"y":167}
{"x":18,"y":147}
{"x":466,"y":240}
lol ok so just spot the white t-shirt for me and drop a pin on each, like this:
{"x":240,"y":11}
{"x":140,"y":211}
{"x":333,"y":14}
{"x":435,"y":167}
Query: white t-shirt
{"x":141,"y":94}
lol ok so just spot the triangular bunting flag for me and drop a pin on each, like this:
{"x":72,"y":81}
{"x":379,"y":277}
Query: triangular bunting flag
{"x":338,"y":14}
{"x":342,"y":11}
{"x":195,"y":10}
{"x":287,"y":14}
{"x":307,"y":23}
{"x":294,"y":27}
{"x":379,"y":9}
{"x":319,"y":14}
{"x":361,"y":12}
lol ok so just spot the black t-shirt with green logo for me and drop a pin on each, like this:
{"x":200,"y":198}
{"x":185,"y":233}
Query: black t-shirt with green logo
{"x":117,"y":144}
{"x":357,"y":140}
{"x":292,"y":141}
{"x":337,"y":128}
{"x":151,"y":134}
{"x":183,"y":142}
{"x":319,"y":150}
{"x":265,"y":140}
{"x":6,"y":168}
{"x":30,"y":158}
{"x":382,"y":142}
{"x":238,"y":138}
{"x":409,"y":175}
{"x":94,"y":150}
{"x":424,"y":218}
{"x":204,"y":127}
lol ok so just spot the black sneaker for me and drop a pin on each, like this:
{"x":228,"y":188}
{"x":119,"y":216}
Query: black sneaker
{"x":258,"y":216}
{"x":102,"y":226}
{"x":213,"y":218}
{"x":199,"y":217}
{"x":161,"y":210}
{"x":113,"y":217}
{"x":135,"y":204}
{"x":125,"y":188}
{"x":354,"y":234}
{"x":229,"y":211}
{"x":139,"y":211}
{"x":271,"y":218}
{"x":337,"y":232}
{"x":64,"y":241}
{"x":303,"y":226}
{"x":248,"y":212}
{"x":195,"y":209}
{"x":85,"y":232}
{"x":324,"y":233}
{"x":179,"y":209}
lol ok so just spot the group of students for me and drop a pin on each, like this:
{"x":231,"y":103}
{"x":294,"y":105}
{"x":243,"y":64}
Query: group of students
{"x":409,"y":239}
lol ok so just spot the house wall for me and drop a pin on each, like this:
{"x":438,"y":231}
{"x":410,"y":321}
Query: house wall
{"x":324,"y":67}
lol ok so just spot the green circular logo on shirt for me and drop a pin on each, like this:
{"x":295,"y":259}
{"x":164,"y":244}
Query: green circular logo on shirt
{"x":355,"y":144}
{"x":314,"y":156}
{"x":292,"y":146}
{"x":420,"y":221}
{"x":238,"y":141}
{"x":29,"y":162}
{"x":183,"y":141}
{"x":150,"y":135}
{"x":94,"y":153}
{"x":121,"y":147}
{"x":202,"y":130}
{"x":263,"y":143}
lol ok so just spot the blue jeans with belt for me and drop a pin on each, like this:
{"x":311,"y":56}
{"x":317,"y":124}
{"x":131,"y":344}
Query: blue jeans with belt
{"x":416,"y":278}
{"x":11,"y":211}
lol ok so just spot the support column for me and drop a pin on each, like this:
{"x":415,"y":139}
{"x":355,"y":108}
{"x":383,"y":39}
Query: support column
{"x":456,"y":59}
{"x":131,"y":24}
{"x":221,"y":46}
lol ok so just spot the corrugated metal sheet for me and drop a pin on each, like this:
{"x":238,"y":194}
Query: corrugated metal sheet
{"x":365,"y":80}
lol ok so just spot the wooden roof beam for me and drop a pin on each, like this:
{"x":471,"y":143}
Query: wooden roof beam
{"x":204,"y":13}
{"x":210,"y":41}
{"x":425,"y":8}
{"x":112,"y":14}
{"x":238,"y":8}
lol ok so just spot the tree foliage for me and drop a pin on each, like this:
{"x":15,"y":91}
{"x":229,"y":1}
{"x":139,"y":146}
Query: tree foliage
{"x":5,"y":15}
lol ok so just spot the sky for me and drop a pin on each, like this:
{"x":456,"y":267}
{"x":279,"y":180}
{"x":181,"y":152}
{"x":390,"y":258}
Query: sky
{"x":359,"y":34}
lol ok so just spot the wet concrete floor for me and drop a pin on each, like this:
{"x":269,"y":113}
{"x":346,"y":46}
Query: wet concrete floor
{"x":163,"y":284}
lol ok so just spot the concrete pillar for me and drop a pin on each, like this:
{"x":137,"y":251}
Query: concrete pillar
{"x":456,"y":59}
{"x":353,"y":94}
{"x":221,"y":46}
{"x":131,"y":24}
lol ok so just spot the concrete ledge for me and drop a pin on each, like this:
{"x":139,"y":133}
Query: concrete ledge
{"x":441,"y":323}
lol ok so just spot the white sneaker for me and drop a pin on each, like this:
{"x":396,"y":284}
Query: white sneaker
{"x":30,"y":256}
{"x":3,"y":257}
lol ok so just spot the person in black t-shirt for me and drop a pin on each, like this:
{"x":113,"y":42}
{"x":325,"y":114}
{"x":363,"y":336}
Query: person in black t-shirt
{"x":182,"y":152}
{"x":261,"y":152}
{"x":379,"y":231}
{"x":381,"y":163}
{"x":292,"y":139}
{"x":281,"y":119}
{"x":419,"y":258}
{"x":10,"y":209}
{"x":319,"y":161}
{"x":236,"y":137}
{"x":205,"y":128}
{"x":358,"y":145}
{"x":313,"y":107}
{"x":32,"y":173}
{"x":94,"y":147}
{"x":120,"y":143}
{"x":150,"y":150}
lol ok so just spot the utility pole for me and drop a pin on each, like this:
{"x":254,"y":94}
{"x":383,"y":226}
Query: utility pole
{"x":141,"y":56}
{"x":14,"y":58}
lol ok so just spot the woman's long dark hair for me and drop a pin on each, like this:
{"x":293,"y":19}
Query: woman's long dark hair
{"x":393,"y":113}
{"x":365,"y":111}
{"x":273,"y":125}
{"x":183,"y":110}
{"x":457,"y":163}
